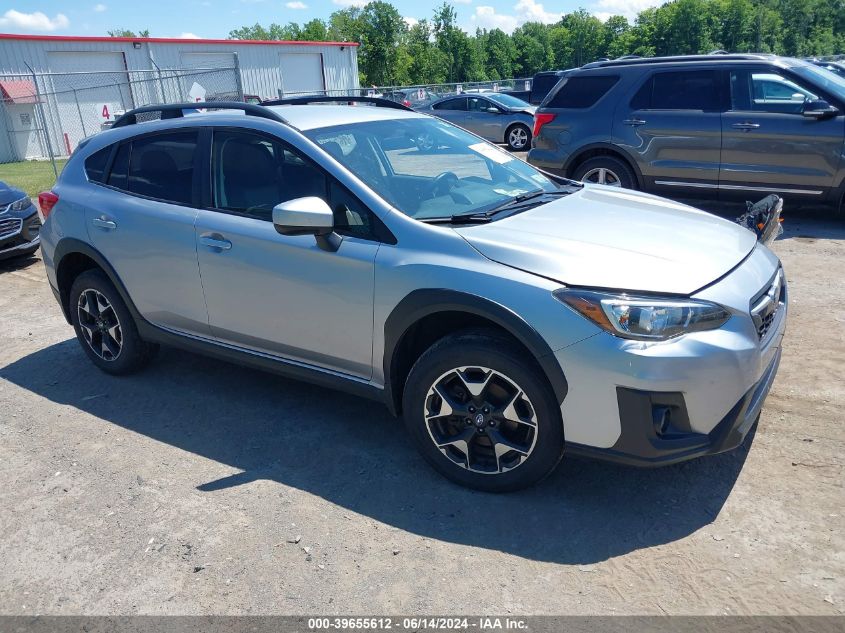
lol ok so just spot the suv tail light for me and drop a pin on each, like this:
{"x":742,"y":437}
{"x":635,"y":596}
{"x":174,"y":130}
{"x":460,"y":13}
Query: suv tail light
{"x":47,"y":200}
{"x":540,"y":119}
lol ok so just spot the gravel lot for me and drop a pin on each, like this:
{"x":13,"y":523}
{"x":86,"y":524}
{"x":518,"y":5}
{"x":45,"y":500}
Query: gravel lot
{"x":200,"y":487}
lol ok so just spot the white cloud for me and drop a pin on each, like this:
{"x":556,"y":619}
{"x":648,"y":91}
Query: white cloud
{"x":486,"y":17}
{"x":99,"y":8}
{"x":296,"y":4}
{"x":530,"y":11}
{"x":188,"y":36}
{"x":410,"y":21}
{"x":36,"y":21}
{"x":603,"y":9}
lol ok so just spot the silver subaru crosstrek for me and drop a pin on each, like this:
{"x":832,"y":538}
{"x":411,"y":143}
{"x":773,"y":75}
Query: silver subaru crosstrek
{"x":508,"y":315}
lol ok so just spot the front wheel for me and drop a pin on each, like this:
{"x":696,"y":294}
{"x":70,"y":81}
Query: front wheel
{"x":481,"y":415}
{"x":518,"y":138}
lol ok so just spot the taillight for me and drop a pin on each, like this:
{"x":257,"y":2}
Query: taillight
{"x":47,"y":200}
{"x":406,"y":103}
{"x":540,"y":119}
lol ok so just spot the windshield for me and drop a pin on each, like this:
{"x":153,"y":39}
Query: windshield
{"x":508,"y":101}
{"x":826,"y":80}
{"x":427,"y":168}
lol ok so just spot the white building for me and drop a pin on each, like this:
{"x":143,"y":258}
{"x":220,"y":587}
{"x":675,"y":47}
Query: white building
{"x":69,"y":86}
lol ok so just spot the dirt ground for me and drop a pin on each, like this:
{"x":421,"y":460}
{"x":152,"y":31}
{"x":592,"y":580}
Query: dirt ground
{"x":200,"y":487}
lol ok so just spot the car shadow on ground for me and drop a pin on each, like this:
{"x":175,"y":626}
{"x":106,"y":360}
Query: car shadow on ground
{"x":18,"y":263}
{"x":352,"y":453}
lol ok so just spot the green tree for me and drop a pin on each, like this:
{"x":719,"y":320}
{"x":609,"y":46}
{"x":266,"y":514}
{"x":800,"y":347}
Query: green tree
{"x":128,"y":33}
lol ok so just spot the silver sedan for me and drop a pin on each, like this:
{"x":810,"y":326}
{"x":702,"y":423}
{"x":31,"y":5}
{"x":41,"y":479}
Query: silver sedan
{"x":496,"y":117}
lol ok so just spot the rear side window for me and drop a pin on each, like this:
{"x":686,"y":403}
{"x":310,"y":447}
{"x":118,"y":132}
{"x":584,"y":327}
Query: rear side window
{"x":162,"y":167}
{"x":95,"y":164}
{"x":582,"y":91}
{"x":690,"y":90}
{"x":452,"y":104}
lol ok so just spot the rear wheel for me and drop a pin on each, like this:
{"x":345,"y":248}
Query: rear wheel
{"x":606,"y":170}
{"x":518,"y":138}
{"x":481,"y":415}
{"x":104,"y":326}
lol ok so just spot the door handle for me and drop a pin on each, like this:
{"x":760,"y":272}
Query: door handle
{"x":633,"y":122}
{"x":215,"y":241}
{"x":745,"y":126}
{"x":104,"y":223}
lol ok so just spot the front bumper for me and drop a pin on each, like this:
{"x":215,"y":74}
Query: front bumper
{"x":19,"y":236}
{"x":659,"y":403}
{"x":642,"y":413}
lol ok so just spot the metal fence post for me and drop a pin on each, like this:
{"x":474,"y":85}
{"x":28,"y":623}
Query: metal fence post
{"x":79,"y":110}
{"x":238,"y":80}
{"x":39,"y":106}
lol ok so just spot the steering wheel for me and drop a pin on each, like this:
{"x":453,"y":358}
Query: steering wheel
{"x":444,"y":183}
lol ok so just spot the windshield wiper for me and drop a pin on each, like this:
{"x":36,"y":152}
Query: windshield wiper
{"x":466,"y":218}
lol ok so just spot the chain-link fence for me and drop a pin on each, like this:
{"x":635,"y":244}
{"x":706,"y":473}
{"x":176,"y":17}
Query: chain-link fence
{"x":45,"y":115}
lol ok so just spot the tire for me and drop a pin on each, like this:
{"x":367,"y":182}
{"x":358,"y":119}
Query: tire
{"x":518,"y":138}
{"x":102,"y":322}
{"x":609,"y":169}
{"x":532,"y":425}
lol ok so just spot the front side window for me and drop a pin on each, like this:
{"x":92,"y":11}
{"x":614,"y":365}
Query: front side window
{"x":162,"y":166}
{"x":477,"y":104}
{"x":427,"y":168}
{"x":754,"y":91}
{"x":692,"y":90}
{"x":252,"y":173}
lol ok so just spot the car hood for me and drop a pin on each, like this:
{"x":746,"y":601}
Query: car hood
{"x":9,"y":194}
{"x":603,"y":237}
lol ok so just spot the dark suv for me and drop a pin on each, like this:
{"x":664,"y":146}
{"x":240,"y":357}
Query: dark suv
{"x":704,"y":125}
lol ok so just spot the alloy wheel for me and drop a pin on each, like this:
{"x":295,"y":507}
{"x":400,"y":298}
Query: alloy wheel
{"x":518,"y":138}
{"x":602,"y":176}
{"x":99,"y":324}
{"x":481,"y":419}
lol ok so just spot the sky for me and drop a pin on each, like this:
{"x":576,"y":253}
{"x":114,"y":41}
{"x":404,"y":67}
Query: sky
{"x":215,"y":18}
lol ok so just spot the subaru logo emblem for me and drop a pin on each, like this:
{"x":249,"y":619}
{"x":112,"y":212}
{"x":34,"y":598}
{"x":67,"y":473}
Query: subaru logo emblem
{"x":479,"y":420}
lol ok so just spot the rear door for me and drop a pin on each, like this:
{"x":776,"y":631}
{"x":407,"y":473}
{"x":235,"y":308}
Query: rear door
{"x":768,"y":145}
{"x":141,"y":219}
{"x":673,"y":126}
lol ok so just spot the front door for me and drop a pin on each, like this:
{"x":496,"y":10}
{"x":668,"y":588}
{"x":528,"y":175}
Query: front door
{"x":485,"y":119}
{"x":672,"y":125}
{"x":769,"y":146}
{"x":276,"y":294}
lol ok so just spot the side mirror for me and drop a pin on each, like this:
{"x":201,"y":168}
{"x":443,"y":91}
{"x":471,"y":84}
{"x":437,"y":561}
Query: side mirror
{"x":819,"y":109}
{"x":307,"y":216}
{"x":494,"y":110}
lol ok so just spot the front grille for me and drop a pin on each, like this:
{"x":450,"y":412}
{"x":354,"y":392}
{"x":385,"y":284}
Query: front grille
{"x":767,"y":303}
{"x":9,"y":226}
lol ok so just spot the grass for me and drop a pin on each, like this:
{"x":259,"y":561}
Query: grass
{"x":33,"y":176}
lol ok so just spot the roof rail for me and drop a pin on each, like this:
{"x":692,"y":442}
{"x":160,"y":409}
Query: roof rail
{"x":379,"y":102}
{"x":633,"y":61}
{"x":177,"y":110}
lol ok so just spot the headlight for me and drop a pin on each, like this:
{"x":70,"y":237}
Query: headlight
{"x":644,"y":318}
{"x":20,"y":205}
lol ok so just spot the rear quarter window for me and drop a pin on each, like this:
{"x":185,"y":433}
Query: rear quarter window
{"x":95,"y":164}
{"x":580,"y":92}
